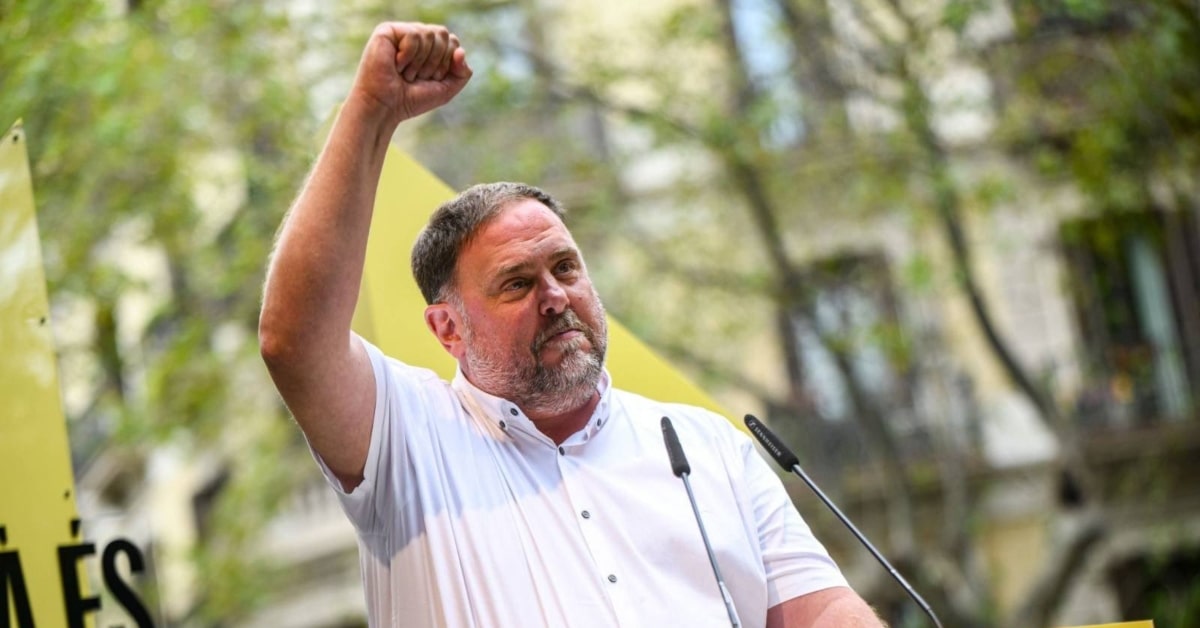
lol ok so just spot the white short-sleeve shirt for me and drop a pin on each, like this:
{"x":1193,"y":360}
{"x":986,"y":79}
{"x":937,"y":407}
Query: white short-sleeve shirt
{"x":469,"y":516}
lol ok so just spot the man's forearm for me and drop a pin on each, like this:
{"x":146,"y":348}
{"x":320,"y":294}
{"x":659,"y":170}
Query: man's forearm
{"x":316,"y":269}
{"x":326,"y":379}
{"x":836,"y":607}
{"x":315,"y":272}
{"x":847,"y":612}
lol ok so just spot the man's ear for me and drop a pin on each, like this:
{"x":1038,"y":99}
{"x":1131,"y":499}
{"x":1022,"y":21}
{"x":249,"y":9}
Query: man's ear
{"x":443,"y":321}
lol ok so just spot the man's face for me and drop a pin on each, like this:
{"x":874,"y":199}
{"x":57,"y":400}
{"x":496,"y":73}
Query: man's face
{"x":534,"y":329}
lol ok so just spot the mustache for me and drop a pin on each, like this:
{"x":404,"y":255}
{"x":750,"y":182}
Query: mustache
{"x":566,"y":321}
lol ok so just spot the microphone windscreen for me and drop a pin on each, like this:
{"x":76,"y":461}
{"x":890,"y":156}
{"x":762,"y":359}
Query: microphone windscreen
{"x":772,"y":444}
{"x":679,"y":463}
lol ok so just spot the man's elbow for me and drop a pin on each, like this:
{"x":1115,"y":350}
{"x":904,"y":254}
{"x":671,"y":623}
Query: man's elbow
{"x":268,"y":338}
{"x":275,"y":344}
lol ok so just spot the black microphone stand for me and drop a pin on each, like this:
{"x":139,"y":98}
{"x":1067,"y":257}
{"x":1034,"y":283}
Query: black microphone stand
{"x":790,"y":462}
{"x":681,"y":469}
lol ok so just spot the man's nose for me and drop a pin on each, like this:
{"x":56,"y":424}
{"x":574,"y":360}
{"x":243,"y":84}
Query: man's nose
{"x":553,"y":298}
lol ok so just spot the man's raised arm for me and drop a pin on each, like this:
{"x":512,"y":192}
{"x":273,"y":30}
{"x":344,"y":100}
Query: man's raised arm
{"x":325,"y":376}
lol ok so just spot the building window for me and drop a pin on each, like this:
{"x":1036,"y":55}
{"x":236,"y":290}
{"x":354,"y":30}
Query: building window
{"x":1135,"y":281}
{"x":770,"y":61}
{"x":1061,"y":17}
{"x":1162,"y":586}
{"x":850,"y":356}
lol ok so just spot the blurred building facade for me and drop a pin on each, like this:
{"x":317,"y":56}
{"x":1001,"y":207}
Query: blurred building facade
{"x":1103,"y":310}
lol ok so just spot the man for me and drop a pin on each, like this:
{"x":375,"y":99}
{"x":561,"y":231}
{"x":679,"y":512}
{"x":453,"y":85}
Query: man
{"x":527,"y":492}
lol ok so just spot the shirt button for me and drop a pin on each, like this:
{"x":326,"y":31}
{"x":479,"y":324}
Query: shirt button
{"x":562,"y":451}
{"x":512,"y":411}
{"x":585,"y":514}
{"x":503,"y":425}
{"x":612,"y":578}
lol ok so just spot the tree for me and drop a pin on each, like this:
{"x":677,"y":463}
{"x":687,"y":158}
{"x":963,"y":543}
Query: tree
{"x":166,"y":139}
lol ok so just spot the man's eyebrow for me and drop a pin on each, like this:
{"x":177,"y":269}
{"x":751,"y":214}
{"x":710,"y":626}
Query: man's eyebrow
{"x":513,"y":269}
{"x":565,"y":251}
{"x":524,"y":266}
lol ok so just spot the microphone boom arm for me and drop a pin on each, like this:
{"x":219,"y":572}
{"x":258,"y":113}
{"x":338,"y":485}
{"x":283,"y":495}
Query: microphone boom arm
{"x":790,"y":462}
{"x":681,"y":468}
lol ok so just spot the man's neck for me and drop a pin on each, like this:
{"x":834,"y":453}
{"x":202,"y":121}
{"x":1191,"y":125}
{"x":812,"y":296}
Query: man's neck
{"x":558,"y":427}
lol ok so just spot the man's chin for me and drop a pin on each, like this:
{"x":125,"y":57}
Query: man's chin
{"x":571,"y":367}
{"x":555,"y":354}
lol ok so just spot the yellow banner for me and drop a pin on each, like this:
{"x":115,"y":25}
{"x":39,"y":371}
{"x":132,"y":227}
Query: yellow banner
{"x":390,"y":310}
{"x":37,"y":491}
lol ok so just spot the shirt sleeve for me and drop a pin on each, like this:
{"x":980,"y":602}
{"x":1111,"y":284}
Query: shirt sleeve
{"x":796,"y":563}
{"x":400,"y":402}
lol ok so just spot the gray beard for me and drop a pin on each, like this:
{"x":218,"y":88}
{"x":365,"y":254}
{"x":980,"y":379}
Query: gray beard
{"x":536,"y":388}
{"x":565,"y":388}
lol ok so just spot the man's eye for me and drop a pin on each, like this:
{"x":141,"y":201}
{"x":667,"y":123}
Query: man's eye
{"x":516,"y":284}
{"x":566,"y":266}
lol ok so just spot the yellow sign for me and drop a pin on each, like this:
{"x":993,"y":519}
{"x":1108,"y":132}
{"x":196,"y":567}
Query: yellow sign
{"x":390,"y":308}
{"x":37,"y":496}
{"x":42,"y":552}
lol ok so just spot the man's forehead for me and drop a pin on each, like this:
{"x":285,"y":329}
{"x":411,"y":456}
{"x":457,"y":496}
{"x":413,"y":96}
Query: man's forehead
{"x":522,"y":210}
{"x":520,"y":232}
{"x":523,"y":220}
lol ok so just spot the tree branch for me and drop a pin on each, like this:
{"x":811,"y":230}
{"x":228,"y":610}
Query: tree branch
{"x":1060,"y":569}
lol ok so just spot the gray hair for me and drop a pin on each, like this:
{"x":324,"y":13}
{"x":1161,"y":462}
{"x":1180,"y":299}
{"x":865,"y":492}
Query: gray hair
{"x":451,"y":227}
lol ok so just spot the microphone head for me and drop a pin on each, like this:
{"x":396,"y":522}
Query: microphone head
{"x":772,"y":444}
{"x":679,"y":463}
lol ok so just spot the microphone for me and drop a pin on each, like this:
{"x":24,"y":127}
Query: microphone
{"x":790,"y":462}
{"x":681,"y":469}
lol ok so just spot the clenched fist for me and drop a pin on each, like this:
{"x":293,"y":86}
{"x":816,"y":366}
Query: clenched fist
{"x":409,"y":68}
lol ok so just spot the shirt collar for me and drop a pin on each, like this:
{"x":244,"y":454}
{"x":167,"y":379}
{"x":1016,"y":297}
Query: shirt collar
{"x":507,"y":416}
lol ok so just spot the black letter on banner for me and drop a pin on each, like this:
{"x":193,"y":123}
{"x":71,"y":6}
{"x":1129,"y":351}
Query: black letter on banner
{"x":77,"y":605}
{"x":12,"y":578}
{"x":119,"y":589}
